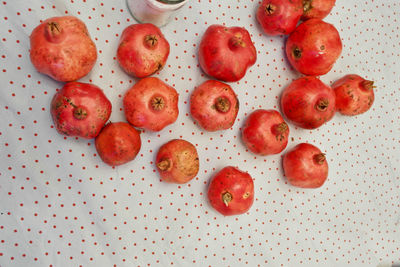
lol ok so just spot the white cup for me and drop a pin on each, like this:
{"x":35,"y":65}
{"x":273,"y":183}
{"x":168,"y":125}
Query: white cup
{"x":157,"y":12}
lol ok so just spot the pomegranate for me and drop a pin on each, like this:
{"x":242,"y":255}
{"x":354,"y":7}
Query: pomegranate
{"x":143,"y":50}
{"x":265,"y":132}
{"x":279,"y":16}
{"x":80,"y":109}
{"x":313,"y":47}
{"x":308,"y":102}
{"x":118,"y":143}
{"x":231,"y":191}
{"x":305,"y":166}
{"x":317,"y":9}
{"x":177,"y":161}
{"x":62,"y":49}
{"x":226,"y":53}
{"x":354,"y":95}
{"x":214,"y":105}
{"x":151,"y":104}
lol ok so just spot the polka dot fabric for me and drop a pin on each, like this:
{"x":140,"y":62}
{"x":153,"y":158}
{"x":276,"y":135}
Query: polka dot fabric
{"x":62,"y":206}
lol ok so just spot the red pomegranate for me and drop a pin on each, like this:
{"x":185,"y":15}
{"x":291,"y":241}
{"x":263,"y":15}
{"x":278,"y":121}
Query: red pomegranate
{"x":308,"y":103}
{"x":118,"y":143}
{"x":354,"y":94}
{"x":226,"y":53}
{"x":313,"y":47}
{"x":214,"y":105}
{"x":279,"y":16}
{"x":142,"y":50}
{"x":80,"y":109}
{"x":62,"y":49}
{"x":305,"y":166}
{"x":151,"y":104}
{"x":317,"y":9}
{"x":177,"y":161}
{"x":265,"y":132}
{"x":231,"y":191}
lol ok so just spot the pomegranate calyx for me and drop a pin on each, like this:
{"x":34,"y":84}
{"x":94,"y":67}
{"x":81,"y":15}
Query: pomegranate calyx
{"x":319,"y":158}
{"x":80,"y":113}
{"x":150,"y":41}
{"x":307,"y":5}
{"x":226,"y":198}
{"x":164,"y":165}
{"x":279,"y":129}
{"x":367,"y":85}
{"x":222,"y":104}
{"x":157,"y":103}
{"x":236,"y":42}
{"x":270,"y":9}
{"x":296,"y":52}
{"x":53,"y":32}
{"x":322,"y":104}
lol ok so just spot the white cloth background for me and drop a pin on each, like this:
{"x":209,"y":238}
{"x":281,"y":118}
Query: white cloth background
{"x":60,"y":205}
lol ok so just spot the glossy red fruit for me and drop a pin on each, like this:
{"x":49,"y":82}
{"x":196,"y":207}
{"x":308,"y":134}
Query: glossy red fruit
{"x":214,"y":105}
{"x":226,"y":53}
{"x":231,"y":191}
{"x":118,"y":143}
{"x":142,"y":50}
{"x":305,"y":166}
{"x":62,"y":49}
{"x":151,"y":104}
{"x":317,"y":9}
{"x":265,"y":132}
{"x":313,"y":47}
{"x":308,"y":103}
{"x":279,"y":16}
{"x":80,"y":109}
{"x":177,"y":161}
{"x":354,"y":94}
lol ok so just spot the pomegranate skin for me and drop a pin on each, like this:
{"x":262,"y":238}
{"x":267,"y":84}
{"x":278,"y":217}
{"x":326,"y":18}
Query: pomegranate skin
{"x":265,"y":132}
{"x":61,"y":48}
{"x":313,"y":47}
{"x":177,"y":161}
{"x":305,"y":166}
{"x":279,"y":16}
{"x":308,"y":103}
{"x":80,"y":109}
{"x":354,"y":94}
{"x":151,"y":104}
{"x":214,"y":106}
{"x":231,"y":191}
{"x":118,"y":143}
{"x":317,"y":9}
{"x":226,"y":53}
{"x":143,"y":50}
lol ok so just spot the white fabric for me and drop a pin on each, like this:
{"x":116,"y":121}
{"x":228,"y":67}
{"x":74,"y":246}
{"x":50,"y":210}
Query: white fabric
{"x":60,"y":205}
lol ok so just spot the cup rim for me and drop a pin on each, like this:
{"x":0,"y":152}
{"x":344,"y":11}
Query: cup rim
{"x":165,"y":6}
{"x":170,"y":2}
